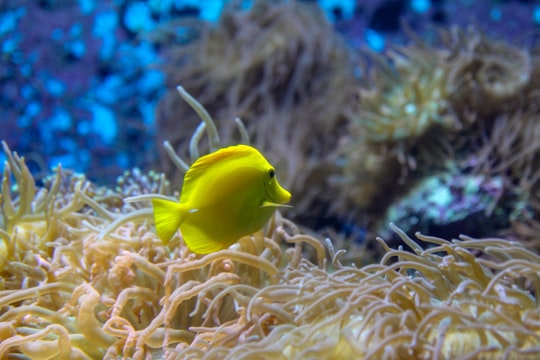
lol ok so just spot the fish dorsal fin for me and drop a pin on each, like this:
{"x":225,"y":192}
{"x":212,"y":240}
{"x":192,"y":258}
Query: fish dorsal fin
{"x":213,"y":161}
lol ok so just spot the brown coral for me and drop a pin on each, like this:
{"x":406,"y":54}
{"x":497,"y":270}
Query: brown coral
{"x":463,"y":105}
{"x":510,"y":150}
{"x":403,"y":96}
{"x":486,"y":76}
{"x":399,"y":127}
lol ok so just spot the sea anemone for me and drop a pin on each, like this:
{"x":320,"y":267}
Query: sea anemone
{"x":398,"y":127}
{"x":127,"y":295}
{"x":485,"y":77}
{"x":403,"y":96}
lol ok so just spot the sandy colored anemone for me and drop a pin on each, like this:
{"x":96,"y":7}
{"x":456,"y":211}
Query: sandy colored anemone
{"x":126,"y":295}
{"x":441,"y":302}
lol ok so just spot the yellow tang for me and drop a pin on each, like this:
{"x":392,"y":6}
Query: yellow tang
{"x":227,"y":194}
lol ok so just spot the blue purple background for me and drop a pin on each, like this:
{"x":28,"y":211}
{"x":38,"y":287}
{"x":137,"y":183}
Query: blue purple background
{"x":80,"y":80}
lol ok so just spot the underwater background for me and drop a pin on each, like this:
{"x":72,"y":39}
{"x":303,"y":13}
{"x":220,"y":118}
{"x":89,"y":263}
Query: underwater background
{"x":382,"y":117}
{"x":93,"y":88}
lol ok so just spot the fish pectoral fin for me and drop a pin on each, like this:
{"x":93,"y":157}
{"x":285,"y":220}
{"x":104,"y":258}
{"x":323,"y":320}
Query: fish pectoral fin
{"x":271,"y":204}
{"x":168,"y":216}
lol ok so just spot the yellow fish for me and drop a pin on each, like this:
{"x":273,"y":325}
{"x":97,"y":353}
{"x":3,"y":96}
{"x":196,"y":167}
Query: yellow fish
{"x":227,"y":194}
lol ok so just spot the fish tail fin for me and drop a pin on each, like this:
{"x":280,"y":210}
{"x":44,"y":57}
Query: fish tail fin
{"x":168,"y":216}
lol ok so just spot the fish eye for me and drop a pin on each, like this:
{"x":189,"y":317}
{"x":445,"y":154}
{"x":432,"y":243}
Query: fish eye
{"x":271,"y":173}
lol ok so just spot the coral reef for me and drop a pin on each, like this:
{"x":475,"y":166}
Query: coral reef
{"x":68,"y":291}
{"x":84,"y":276}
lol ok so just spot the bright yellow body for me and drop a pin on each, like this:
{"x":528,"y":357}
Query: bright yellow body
{"x":227,"y":194}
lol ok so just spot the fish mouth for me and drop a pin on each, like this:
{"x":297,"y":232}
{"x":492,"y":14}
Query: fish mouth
{"x":283,"y":197}
{"x":279,"y":196}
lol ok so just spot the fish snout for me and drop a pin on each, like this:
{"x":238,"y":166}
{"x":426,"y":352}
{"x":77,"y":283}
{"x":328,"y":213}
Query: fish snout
{"x":282,"y":195}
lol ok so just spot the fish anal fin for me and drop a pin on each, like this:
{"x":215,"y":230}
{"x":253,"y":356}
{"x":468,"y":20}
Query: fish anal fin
{"x":199,"y":242}
{"x":168,"y":216}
